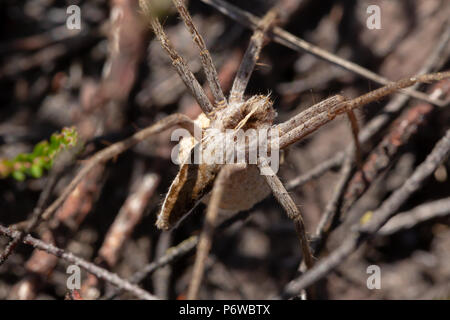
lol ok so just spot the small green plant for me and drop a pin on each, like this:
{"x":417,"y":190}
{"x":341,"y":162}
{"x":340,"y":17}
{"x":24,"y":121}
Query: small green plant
{"x":34,"y":164}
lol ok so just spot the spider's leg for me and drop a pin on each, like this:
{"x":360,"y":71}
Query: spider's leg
{"x":309,"y":113}
{"x":251,"y":56}
{"x":297,"y":128}
{"x":180,"y":65}
{"x":283,"y":197}
{"x":355,"y":132}
{"x":207,"y":63}
{"x":205,"y":239}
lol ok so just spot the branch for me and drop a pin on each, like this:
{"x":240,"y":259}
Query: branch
{"x":116,"y":149}
{"x":89,"y":267}
{"x":419,"y":214}
{"x":376,"y":219}
{"x":62,"y":161}
{"x":172,"y":254}
{"x":289,"y":40}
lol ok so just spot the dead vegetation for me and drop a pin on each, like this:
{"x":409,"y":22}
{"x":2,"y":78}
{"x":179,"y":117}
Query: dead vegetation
{"x":384,"y":202}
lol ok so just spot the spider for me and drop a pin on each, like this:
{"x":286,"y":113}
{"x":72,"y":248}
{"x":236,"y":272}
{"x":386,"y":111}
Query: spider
{"x":237,"y":187}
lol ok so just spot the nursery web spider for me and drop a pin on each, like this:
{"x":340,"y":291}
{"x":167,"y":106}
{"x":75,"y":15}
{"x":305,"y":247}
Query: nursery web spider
{"x":236,"y":187}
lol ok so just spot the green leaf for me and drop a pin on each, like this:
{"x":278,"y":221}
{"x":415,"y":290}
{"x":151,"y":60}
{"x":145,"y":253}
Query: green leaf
{"x":34,"y":164}
{"x":18,"y":175}
{"x":36,"y":171}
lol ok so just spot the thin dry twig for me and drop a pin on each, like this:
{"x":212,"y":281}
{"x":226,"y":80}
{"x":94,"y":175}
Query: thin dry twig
{"x":124,"y":223}
{"x":161,"y":277}
{"x":89,"y":267}
{"x":383,"y":154}
{"x":373,"y":127}
{"x":331,"y":210}
{"x":343,"y":105}
{"x":419,"y":214}
{"x":205,"y":239}
{"x":116,"y":149}
{"x":376,"y":219}
{"x":61,"y":163}
{"x":172,"y":254}
{"x":289,"y":40}
{"x":128,"y":217}
{"x":316,"y":172}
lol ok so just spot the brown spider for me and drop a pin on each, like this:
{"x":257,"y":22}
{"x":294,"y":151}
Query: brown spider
{"x":236,"y":187}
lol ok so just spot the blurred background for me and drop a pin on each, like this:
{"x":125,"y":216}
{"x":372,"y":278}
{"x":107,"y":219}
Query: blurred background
{"x":111,"y":78}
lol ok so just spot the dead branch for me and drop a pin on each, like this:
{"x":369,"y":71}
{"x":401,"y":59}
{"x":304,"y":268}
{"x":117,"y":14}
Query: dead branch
{"x":128,"y":217}
{"x":289,"y":40}
{"x":89,"y":267}
{"x":114,"y":150}
{"x":376,"y":219}
{"x":419,"y":214}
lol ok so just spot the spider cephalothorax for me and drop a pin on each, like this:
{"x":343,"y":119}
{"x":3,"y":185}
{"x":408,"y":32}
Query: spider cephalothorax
{"x":244,"y":188}
{"x":257,"y":112}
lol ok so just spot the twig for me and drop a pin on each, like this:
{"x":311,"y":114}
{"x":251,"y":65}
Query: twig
{"x":336,"y":108}
{"x":161,"y":277}
{"x":419,"y":214}
{"x":332,"y":207}
{"x":206,"y":235}
{"x":116,"y":149}
{"x":368,"y":131}
{"x":396,"y":105}
{"x":318,"y":79}
{"x":289,"y":40}
{"x":128,"y":217}
{"x":439,"y":153}
{"x":126,"y":36}
{"x":61,"y":163}
{"x":377,"y":219}
{"x":317,"y":171}
{"x":126,"y":220}
{"x":89,"y":267}
{"x":383,"y":154}
{"x":172,"y":254}
{"x":176,"y":252}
